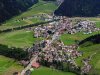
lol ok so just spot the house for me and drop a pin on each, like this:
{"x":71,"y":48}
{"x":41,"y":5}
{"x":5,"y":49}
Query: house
{"x":16,"y":73}
{"x":35,"y":65}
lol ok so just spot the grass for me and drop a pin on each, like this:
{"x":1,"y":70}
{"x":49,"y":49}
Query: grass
{"x":40,"y":7}
{"x":19,"y":38}
{"x":48,"y":71}
{"x":8,"y":66}
{"x":93,"y":19}
{"x":69,"y":39}
{"x":5,"y":63}
{"x":88,"y":18}
{"x":98,"y":24}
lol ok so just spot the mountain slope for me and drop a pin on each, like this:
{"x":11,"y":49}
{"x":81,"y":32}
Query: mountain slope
{"x":79,"y":8}
{"x":9,"y":8}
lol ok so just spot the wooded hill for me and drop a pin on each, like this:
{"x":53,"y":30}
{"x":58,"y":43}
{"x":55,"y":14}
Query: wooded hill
{"x":79,"y":8}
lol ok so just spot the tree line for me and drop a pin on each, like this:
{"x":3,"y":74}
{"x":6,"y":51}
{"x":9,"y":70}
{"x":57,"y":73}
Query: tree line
{"x":13,"y":52}
{"x":94,"y":39}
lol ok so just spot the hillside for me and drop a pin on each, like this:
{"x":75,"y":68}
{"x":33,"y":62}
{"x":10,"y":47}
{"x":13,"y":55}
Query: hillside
{"x":79,"y":8}
{"x":9,"y":8}
{"x":42,"y":7}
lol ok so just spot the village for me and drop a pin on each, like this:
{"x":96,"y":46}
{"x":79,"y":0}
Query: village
{"x":66,"y":26}
{"x":50,"y":37}
{"x":52,"y":52}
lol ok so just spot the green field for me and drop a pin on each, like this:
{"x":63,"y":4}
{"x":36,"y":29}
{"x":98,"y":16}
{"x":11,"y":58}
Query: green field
{"x":48,"y":71}
{"x":98,"y":24}
{"x":8,"y":66}
{"x":69,"y":39}
{"x":19,"y":38}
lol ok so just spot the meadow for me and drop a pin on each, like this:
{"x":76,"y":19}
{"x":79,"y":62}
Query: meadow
{"x":21,"y":38}
{"x":69,"y":39}
{"x":48,"y":71}
{"x":8,"y":66}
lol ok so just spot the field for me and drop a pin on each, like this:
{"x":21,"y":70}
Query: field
{"x":21,"y":38}
{"x":8,"y":66}
{"x":48,"y":71}
{"x":71,"y":39}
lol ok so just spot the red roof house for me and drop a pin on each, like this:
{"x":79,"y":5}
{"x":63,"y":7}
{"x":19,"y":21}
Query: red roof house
{"x":35,"y":65}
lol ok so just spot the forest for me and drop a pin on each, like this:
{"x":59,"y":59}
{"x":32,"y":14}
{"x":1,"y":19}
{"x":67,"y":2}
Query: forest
{"x":81,"y":8}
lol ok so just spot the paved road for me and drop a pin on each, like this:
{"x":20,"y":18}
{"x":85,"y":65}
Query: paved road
{"x":29,"y":65}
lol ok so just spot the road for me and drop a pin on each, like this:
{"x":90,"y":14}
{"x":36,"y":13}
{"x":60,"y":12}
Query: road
{"x":29,"y":65}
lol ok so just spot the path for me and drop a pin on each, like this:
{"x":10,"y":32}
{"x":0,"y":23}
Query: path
{"x":29,"y":65}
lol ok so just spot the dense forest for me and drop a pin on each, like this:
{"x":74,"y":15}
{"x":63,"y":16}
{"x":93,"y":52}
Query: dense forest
{"x":79,"y":8}
{"x":9,"y":8}
{"x":16,"y":53}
